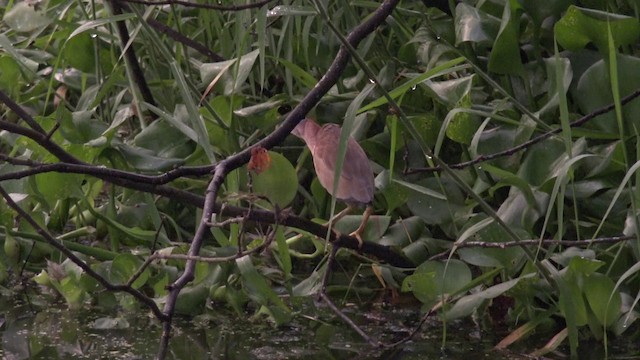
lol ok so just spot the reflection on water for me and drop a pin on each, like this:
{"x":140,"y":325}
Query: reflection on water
{"x":36,"y":332}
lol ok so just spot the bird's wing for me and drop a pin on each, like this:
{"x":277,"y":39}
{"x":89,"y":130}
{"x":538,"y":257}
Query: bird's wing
{"x":326,"y":151}
{"x":356,"y":178}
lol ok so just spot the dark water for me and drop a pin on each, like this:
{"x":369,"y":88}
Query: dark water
{"x":39,"y":331}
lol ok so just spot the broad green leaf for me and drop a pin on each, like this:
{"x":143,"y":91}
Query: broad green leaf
{"x":403,"y":232}
{"x":124,"y":266}
{"x":376,"y":226}
{"x":602,"y":297}
{"x":467,"y":304}
{"x":580,"y":26}
{"x":256,"y":285}
{"x":231,"y":82}
{"x":279,"y":182}
{"x":84,"y":45}
{"x":192,"y":299}
{"x":146,"y":160}
{"x":594,"y":91}
{"x":163,"y":140}
{"x":505,"y":54}
{"x":474,"y":25}
{"x":55,"y":186}
{"x":81,"y":127}
{"x":433,"y":279}
{"x":26,"y":16}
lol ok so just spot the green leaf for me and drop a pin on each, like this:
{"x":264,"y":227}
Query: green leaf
{"x":602,"y":297}
{"x":433,"y":279}
{"x":231,"y":83}
{"x":84,"y":45}
{"x":124,"y":266}
{"x":467,"y":304}
{"x":26,"y":16}
{"x":403,"y":232}
{"x":580,"y":26}
{"x":58,"y":186}
{"x":505,"y":54}
{"x":474,"y":25}
{"x":594,"y":91}
{"x":279,"y":182}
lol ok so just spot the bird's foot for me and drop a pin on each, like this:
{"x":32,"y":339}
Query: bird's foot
{"x":358,"y":235}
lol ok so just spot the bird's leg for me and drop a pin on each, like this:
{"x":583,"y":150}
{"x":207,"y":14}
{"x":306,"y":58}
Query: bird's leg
{"x":340,"y":215}
{"x":360,"y":230}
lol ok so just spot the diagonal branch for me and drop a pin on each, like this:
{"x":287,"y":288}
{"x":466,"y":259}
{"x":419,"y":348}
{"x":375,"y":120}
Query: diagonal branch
{"x":233,"y":162}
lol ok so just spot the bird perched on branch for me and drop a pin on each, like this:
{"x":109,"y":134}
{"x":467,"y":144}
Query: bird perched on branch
{"x":355,"y":186}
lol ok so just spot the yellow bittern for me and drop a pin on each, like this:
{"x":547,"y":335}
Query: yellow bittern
{"x":355,"y":186}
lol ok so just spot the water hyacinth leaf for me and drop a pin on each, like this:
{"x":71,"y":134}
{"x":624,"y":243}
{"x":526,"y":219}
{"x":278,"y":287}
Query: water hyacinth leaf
{"x":256,"y":285}
{"x":539,"y":161}
{"x":403,"y":232}
{"x":594,"y":92}
{"x":310,"y":285}
{"x":433,"y":279}
{"x":231,"y":81}
{"x":443,"y":69}
{"x":53,"y":186}
{"x":539,"y":10}
{"x":435,"y":210}
{"x":124,"y":266}
{"x":492,"y":257}
{"x":192,"y":299}
{"x":602,"y":297}
{"x":79,"y":127}
{"x":279,"y":182}
{"x":375,"y":228}
{"x":72,"y":292}
{"x":11,"y":75}
{"x":572,"y":302}
{"x":84,"y":45}
{"x":461,"y":126}
{"x":26,"y":17}
{"x":474,"y":25}
{"x":146,"y":160}
{"x":301,"y":75}
{"x":467,"y":304}
{"x":422,"y":286}
{"x":505,"y":54}
{"x":580,"y":26}
{"x":163,"y":140}
{"x":451,"y":92}
{"x":109,"y":323}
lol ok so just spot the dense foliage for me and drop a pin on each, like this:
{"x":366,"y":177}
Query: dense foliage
{"x":530,"y":103}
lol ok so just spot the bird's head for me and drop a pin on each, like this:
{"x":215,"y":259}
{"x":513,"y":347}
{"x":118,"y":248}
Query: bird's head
{"x":306,"y":130}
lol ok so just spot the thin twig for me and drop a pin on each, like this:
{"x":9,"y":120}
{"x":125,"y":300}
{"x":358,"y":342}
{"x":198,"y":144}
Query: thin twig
{"x":526,"y":144}
{"x":534,"y":242}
